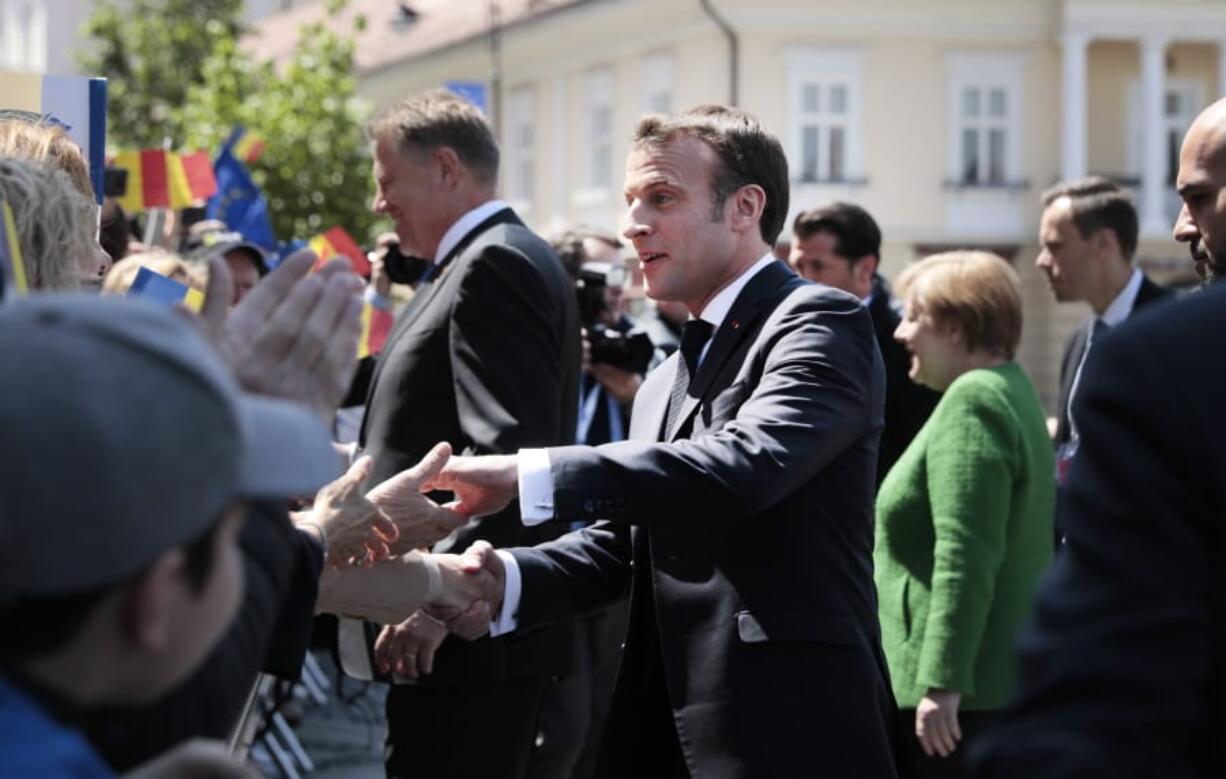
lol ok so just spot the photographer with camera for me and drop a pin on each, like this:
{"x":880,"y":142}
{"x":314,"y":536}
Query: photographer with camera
{"x":616,"y":354}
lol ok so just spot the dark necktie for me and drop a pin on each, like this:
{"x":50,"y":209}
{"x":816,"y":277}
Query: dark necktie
{"x":1099,"y":329}
{"x":694,"y":335}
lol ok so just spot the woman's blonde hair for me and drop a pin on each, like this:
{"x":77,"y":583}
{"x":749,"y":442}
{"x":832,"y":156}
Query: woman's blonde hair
{"x":123,"y":273}
{"x":49,"y":143}
{"x":55,"y":223}
{"x":976,"y":292}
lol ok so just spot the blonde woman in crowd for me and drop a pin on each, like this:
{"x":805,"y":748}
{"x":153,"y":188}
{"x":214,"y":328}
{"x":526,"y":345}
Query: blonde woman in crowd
{"x":56,"y":226}
{"x":964,"y":518}
{"x":123,"y":273}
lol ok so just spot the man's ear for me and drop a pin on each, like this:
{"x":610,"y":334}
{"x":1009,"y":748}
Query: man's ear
{"x":748,"y":203}
{"x":448,"y":165}
{"x":150,"y":601}
{"x":1105,"y":242}
{"x":864,"y":268}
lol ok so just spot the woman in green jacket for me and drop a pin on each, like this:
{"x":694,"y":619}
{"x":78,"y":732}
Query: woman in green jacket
{"x":964,"y":518}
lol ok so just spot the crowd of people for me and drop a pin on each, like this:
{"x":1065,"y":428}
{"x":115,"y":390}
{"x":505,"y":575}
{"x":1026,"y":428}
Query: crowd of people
{"x":782,"y":518}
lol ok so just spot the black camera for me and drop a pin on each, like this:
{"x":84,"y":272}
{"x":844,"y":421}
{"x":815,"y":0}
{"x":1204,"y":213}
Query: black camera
{"x":628,"y":351}
{"x":403,"y":268}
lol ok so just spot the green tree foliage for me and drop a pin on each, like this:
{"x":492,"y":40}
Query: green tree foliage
{"x":152,"y":51}
{"x":315,"y":170}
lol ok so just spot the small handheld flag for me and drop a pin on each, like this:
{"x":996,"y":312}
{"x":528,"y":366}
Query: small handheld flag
{"x":163,"y":179}
{"x":154,"y":287}
{"x":337,"y":243}
{"x":11,"y":263}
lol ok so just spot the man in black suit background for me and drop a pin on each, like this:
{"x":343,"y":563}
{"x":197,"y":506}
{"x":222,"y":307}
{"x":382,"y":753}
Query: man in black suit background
{"x":1087,"y":239}
{"x":1122,"y":673}
{"x":486,"y":357}
{"x":840,"y":245}
{"x":740,"y":510}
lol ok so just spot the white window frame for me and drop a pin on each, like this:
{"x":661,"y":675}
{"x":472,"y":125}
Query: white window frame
{"x":985,"y":71}
{"x":823,"y":68}
{"x":521,"y":145}
{"x":658,"y":69}
{"x":28,"y":34}
{"x":597,"y":138}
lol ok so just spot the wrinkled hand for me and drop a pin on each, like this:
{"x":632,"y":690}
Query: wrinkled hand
{"x":474,"y":622}
{"x":419,"y":521}
{"x":357,"y":531}
{"x":936,"y":722}
{"x":296,"y":335}
{"x":408,"y":648}
{"x":482,"y":485}
{"x":623,"y":385}
{"x":197,"y":759}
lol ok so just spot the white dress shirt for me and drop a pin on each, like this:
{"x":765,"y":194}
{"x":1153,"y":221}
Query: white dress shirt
{"x":464,"y":225}
{"x":535,"y":477}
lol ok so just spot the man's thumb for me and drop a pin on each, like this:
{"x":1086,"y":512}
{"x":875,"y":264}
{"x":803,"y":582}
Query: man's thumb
{"x":431,"y":465}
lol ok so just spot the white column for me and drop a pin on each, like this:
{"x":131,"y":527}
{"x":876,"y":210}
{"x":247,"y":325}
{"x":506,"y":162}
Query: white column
{"x":1154,"y":220}
{"x":1073,"y":163}
{"x":1221,"y":68}
{"x":561,"y":189}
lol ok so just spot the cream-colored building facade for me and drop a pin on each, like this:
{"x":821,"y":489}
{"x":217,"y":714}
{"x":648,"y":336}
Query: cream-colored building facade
{"x":944,"y":118}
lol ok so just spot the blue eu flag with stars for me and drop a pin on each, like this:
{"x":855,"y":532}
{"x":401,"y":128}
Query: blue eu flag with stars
{"x":239,"y":202}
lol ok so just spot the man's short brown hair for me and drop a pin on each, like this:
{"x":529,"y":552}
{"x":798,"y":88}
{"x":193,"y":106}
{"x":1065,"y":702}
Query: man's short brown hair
{"x":442,"y":118}
{"x":1099,"y":203}
{"x":748,"y":154}
{"x":856,"y":232}
{"x":976,"y":292}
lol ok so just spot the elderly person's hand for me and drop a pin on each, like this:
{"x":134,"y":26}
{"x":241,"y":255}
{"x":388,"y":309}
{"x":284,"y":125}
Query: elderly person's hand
{"x":419,"y":520}
{"x":408,"y":648}
{"x":352,"y":529}
{"x":296,"y":335}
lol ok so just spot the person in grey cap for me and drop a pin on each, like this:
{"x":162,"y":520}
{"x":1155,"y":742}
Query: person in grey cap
{"x":112,"y":590}
{"x":246,"y":260}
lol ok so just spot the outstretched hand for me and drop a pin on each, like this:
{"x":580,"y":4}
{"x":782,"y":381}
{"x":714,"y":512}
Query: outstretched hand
{"x":355,"y":529}
{"x":482,"y":485}
{"x":419,"y":521}
{"x":295,"y":336}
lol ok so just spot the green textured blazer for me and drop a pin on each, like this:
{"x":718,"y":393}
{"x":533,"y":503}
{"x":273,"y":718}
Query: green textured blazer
{"x":964,"y":529}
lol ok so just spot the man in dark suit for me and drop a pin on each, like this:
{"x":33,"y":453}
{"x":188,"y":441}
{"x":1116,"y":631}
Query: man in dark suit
{"x":840,"y":245}
{"x":740,"y":512}
{"x":1088,"y":236}
{"x":1122,"y":674}
{"x":486,"y":357}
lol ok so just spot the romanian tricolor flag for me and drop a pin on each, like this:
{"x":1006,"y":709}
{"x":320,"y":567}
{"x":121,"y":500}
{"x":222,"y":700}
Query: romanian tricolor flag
{"x":246,"y":145}
{"x":76,"y":103}
{"x":337,"y":243}
{"x":13,"y":267}
{"x":165,"y":179}
{"x":376,"y":324}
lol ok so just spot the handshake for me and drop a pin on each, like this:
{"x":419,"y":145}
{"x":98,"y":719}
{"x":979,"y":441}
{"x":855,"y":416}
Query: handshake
{"x":377,"y":567}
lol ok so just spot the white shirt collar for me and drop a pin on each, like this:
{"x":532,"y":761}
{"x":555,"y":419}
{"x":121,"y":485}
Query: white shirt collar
{"x":1121,"y":307}
{"x":464,"y":225}
{"x":718,"y":307}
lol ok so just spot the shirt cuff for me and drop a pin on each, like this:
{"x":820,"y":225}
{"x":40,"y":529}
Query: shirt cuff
{"x":535,"y":486}
{"x":507,"y":618}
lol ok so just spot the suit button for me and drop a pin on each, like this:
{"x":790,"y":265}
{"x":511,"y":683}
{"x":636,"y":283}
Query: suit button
{"x":589,"y":506}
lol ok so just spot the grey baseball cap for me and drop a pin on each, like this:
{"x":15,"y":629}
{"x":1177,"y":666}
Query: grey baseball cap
{"x":122,"y":435}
